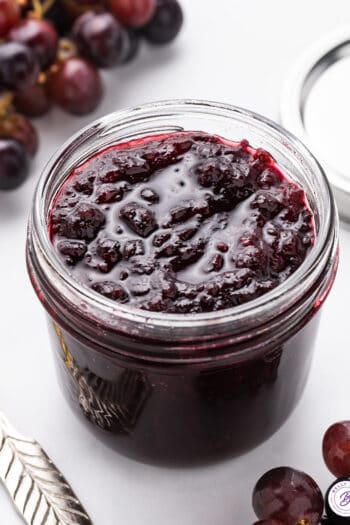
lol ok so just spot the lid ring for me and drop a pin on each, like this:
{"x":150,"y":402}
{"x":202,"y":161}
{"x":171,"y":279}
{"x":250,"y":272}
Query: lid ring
{"x":303,"y":78}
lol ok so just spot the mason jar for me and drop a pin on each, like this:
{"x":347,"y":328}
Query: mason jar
{"x":184,"y":388}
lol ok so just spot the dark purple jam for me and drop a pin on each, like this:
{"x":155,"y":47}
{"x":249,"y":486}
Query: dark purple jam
{"x":181,"y":223}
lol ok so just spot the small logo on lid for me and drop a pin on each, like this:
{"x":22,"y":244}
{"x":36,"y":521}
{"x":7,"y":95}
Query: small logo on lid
{"x":339,"y":498}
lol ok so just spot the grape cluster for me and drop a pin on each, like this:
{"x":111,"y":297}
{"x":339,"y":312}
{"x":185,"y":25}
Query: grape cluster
{"x":50,"y":53}
{"x":285,"y":496}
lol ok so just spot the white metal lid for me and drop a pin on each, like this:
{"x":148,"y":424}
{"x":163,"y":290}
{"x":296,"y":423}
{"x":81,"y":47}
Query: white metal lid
{"x":316,"y":108}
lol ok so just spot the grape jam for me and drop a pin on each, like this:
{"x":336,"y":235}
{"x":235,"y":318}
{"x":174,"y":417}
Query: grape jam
{"x":201,"y":343}
{"x":181,"y":223}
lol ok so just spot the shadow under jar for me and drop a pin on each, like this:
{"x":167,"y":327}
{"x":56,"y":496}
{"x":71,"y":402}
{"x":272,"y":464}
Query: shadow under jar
{"x":184,"y":388}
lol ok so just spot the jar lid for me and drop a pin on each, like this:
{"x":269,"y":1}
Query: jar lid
{"x":316,"y":108}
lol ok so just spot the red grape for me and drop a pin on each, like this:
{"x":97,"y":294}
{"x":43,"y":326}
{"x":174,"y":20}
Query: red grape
{"x":288,"y":495}
{"x":100,"y":38}
{"x":13,"y":164}
{"x":9,"y":15}
{"x":33,"y":101}
{"x":18,"y":127}
{"x":18,"y":67}
{"x":336,"y":449}
{"x":76,"y":86}
{"x":133,"y":13}
{"x":40,"y":36}
{"x":165,"y":24}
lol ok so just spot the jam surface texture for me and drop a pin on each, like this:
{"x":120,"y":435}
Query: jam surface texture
{"x":181,"y":223}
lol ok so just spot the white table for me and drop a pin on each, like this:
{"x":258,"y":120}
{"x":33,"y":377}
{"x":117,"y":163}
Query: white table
{"x":233,"y":51}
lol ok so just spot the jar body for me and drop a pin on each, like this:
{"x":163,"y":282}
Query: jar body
{"x":185,"y":415}
{"x":179,"y":389}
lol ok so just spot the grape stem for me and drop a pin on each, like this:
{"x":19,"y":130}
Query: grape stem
{"x":5,"y":103}
{"x":42,"y":78}
{"x":40,"y":8}
{"x":66,"y":49}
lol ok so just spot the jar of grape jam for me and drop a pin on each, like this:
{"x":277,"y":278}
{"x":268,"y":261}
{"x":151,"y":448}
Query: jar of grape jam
{"x":182,"y":251}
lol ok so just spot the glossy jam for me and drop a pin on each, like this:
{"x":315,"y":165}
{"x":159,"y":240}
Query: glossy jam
{"x":181,"y":223}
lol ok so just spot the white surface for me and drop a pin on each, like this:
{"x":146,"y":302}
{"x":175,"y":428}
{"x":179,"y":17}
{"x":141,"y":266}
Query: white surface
{"x":233,"y":51}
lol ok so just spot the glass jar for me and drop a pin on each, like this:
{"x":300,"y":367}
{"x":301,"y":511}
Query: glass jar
{"x":184,"y":388}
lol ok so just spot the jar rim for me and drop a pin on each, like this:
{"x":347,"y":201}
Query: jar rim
{"x":284,"y":293}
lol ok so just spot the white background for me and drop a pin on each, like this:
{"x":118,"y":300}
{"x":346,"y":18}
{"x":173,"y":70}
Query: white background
{"x":233,"y":51}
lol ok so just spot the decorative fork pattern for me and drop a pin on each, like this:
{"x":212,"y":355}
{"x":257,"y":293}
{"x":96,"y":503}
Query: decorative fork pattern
{"x":39,"y":491}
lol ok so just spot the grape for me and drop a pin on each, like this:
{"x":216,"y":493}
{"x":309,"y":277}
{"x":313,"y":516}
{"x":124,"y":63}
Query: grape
{"x":139,"y":218}
{"x":100,"y":38}
{"x":83,"y":223}
{"x":133,"y":13}
{"x":165,"y":24}
{"x":18,"y":127}
{"x":112,"y":290}
{"x":131,"y":46}
{"x":9,"y":15}
{"x":33,"y":101}
{"x":13,"y":164}
{"x":18,"y":67}
{"x":336,"y":449}
{"x":76,"y":86}
{"x":40,"y":36}
{"x":288,"y":495}
{"x":73,"y":251}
